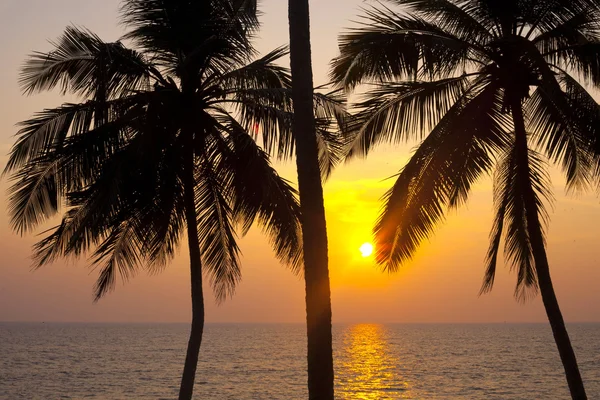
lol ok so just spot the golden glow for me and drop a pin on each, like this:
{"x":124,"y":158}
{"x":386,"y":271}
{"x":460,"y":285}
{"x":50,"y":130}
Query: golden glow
{"x":369,"y":370}
{"x":351,"y":207}
{"x":366,"y":249}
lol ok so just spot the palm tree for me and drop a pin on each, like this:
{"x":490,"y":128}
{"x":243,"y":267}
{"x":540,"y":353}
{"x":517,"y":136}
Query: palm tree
{"x":162,"y":142}
{"x":486,"y":85}
{"x":314,"y":230}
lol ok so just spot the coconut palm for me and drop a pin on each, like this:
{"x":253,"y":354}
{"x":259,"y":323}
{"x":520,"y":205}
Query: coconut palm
{"x":314,"y":230}
{"x":162,"y":141}
{"x":487,"y":85}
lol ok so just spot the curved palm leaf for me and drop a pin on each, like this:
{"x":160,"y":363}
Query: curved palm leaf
{"x":440,"y":173}
{"x":510,"y":182}
{"x":220,"y":252}
{"x":268,"y":115}
{"x":389,"y":47}
{"x":83,"y":64}
{"x":262,"y":73}
{"x":558,"y":133}
{"x":120,"y":251}
{"x":452,"y":17}
{"x":395,"y":112}
{"x":262,"y":196}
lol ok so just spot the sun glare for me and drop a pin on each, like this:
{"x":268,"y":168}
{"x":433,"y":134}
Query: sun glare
{"x":366,"y":249}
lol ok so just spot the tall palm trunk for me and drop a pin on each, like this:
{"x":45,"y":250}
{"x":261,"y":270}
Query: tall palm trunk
{"x":191,"y":359}
{"x":314,"y":232}
{"x":559,"y":330}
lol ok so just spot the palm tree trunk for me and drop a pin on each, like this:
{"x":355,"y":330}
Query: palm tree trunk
{"x":191,"y":359}
{"x":559,"y":330}
{"x":314,"y":231}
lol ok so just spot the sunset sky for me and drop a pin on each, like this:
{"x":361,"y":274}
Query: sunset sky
{"x":440,"y":285}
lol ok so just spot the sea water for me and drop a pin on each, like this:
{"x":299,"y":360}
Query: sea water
{"x":242,"y":362}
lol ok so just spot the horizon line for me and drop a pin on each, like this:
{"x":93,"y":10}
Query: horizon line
{"x":291,"y":323}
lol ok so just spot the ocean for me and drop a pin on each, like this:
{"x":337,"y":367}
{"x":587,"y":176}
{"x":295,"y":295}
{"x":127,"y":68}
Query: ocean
{"x":242,"y":362}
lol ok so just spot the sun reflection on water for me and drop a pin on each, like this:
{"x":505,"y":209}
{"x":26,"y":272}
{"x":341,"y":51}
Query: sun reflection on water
{"x":366,"y":368}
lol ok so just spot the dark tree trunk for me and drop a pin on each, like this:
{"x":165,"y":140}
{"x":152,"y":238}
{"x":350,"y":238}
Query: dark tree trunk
{"x":559,"y":330}
{"x":193,"y":350}
{"x":314,"y":232}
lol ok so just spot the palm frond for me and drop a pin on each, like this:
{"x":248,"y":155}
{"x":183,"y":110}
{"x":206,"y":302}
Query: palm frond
{"x":220,"y":252}
{"x":586,"y":112}
{"x":395,"y":112}
{"x":456,"y":18}
{"x":122,"y":216}
{"x":556,"y":127}
{"x":267,"y":114}
{"x":118,"y":253}
{"x":440,"y":173}
{"x":262,"y":73}
{"x":331,"y":147}
{"x":59,"y":153}
{"x":53,"y":245}
{"x":51,"y":130}
{"x":162,"y":207}
{"x":83,"y":64}
{"x":553,"y":112}
{"x":47,"y":130}
{"x":263,"y":197}
{"x":515,"y":175}
{"x":574,"y":44}
{"x":91,"y":214}
{"x":551,"y":39}
{"x":331,"y":107}
{"x":334,"y":134}
{"x":500,"y":203}
{"x":389,"y":46}
{"x":35,"y":196}
{"x":549,"y":18}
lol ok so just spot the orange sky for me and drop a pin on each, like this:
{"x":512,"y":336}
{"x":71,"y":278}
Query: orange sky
{"x":440,"y":285}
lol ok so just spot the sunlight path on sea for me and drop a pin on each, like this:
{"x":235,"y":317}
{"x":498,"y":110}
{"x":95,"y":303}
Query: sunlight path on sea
{"x":367,"y":368}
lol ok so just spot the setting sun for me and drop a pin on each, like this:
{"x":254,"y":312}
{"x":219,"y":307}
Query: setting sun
{"x":366,"y":249}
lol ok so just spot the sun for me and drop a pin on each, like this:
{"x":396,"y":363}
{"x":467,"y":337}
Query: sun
{"x":366,"y":249}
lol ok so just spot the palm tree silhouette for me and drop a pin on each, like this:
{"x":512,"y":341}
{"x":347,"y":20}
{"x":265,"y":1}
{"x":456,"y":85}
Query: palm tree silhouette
{"x":162,"y":143}
{"x":314,"y":228}
{"x":487,"y":85}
